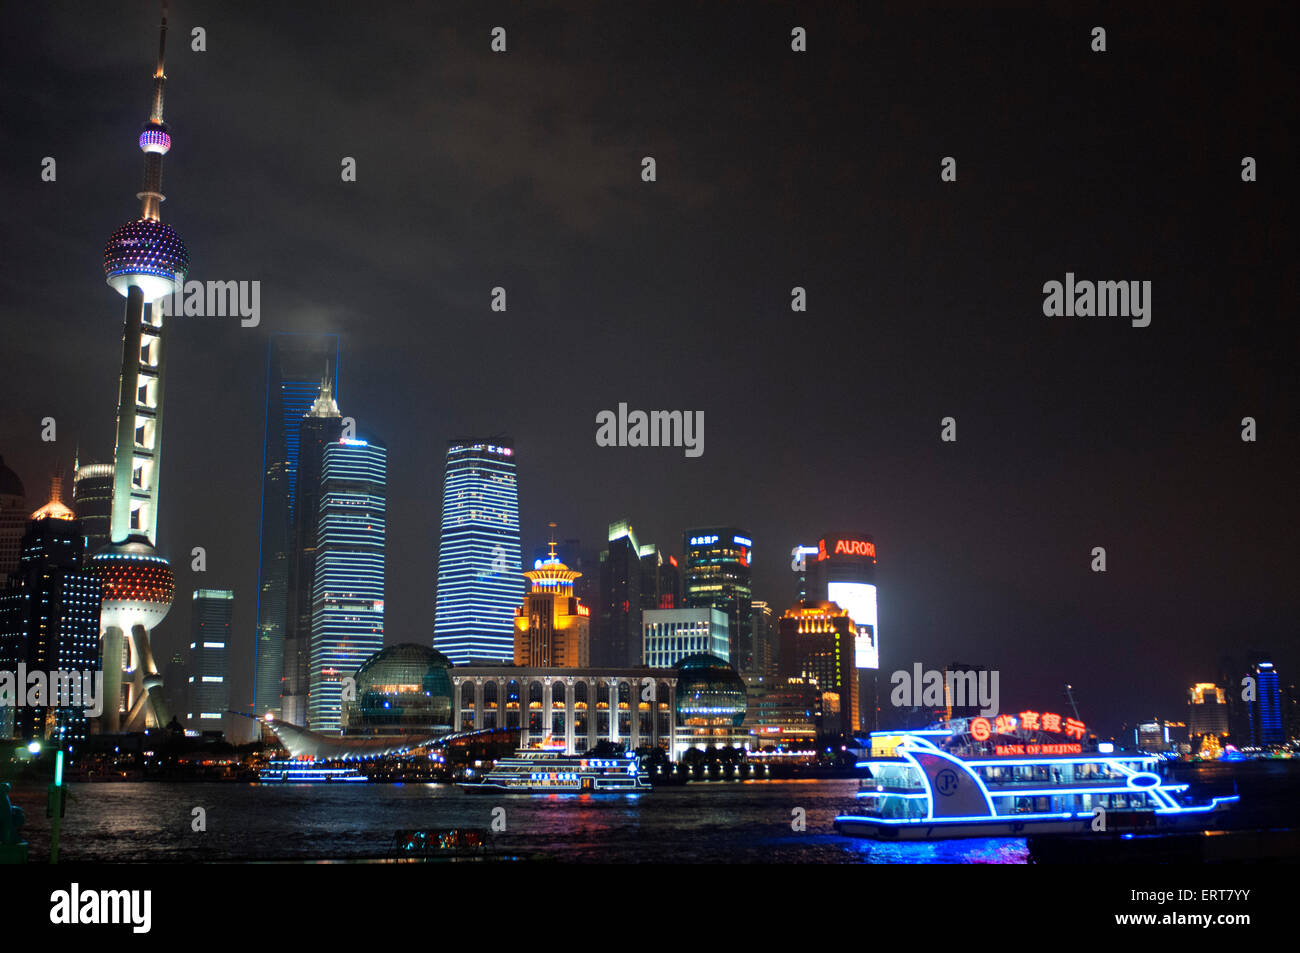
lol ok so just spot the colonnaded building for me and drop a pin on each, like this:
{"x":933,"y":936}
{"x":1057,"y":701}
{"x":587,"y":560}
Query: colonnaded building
{"x":409,"y":696}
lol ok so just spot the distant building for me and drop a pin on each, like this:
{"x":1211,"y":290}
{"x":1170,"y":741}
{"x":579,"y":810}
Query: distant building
{"x":208,"y":670}
{"x":670,"y":635}
{"x":783,"y":714}
{"x":766,"y":656}
{"x":480,"y":581}
{"x":1157,"y":736}
{"x":320,"y":426}
{"x":621,"y":599}
{"x":1207,"y":711}
{"x":1266,"y":726}
{"x":717,"y":575}
{"x":348,"y":608}
{"x":49,"y":623}
{"x":92,"y":501}
{"x":817,"y":644}
{"x":552,"y":627}
{"x":13,"y":518}
{"x":294,"y":366}
{"x":587,"y":586}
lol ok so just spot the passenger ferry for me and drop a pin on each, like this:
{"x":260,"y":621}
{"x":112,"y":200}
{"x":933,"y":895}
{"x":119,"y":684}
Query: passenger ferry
{"x":306,"y":772}
{"x":550,"y":771}
{"x":983,"y":778}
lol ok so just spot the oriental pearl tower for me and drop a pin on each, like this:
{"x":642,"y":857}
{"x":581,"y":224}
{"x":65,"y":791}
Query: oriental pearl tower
{"x":144,"y":261}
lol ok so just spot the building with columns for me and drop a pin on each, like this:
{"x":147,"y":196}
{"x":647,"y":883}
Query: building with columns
{"x":579,"y":706}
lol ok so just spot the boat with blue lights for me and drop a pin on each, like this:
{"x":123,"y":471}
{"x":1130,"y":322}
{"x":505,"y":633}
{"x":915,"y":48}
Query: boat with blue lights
{"x":550,"y":771}
{"x":296,"y":771}
{"x":1014,"y":776}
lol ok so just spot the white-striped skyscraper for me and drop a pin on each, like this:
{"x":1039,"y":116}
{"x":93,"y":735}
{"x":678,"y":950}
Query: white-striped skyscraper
{"x":480,"y":574}
{"x":348,"y":596}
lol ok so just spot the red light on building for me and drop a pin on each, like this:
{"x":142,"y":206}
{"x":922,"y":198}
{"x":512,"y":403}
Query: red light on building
{"x":980,"y":729}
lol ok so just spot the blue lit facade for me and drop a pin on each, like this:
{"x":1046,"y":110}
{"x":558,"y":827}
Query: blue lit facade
{"x":208,"y":695}
{"x":1266,"y":709}
{"x":480,"y":581}
{"x":295,"y":365}
{"x":348,"y":596}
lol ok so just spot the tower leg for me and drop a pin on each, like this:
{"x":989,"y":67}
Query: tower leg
{"x":111,"y":664}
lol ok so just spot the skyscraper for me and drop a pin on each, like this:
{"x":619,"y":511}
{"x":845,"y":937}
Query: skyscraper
{"x":817,"y":645}
{"x":1266,"y":709}
{"x":348,"y":597}
{"x":718,"y":575}
{"x":49,"y":622}
{"x":319,"y":427}
{"x":295,"y":364}
{"x":13,"y":518}
{"x":92,"y":501}
{"x":480,"y":580}
{"x":208,"y":697}
{"x":620,"y":599}
{"x":144,"y":261}
{"x":552,"y":627}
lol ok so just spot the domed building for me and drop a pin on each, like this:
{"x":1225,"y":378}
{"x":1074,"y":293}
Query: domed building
{"x":711,"y":700}
{"x":400,"y":690}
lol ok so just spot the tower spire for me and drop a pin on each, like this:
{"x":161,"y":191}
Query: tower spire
{"x":154,"y":139}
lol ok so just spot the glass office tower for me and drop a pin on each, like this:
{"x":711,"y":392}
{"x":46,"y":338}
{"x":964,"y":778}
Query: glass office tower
{"x":294,"y":367}
{"x":348,"y":597}
{"x":480,"y":576}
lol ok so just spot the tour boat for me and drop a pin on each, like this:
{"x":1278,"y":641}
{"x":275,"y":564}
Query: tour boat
{"x":972,"y":780}
{"x":306,"y":772}
{"x":548,"y":771}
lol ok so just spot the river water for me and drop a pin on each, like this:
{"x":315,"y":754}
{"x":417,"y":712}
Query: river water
{"x":724,"y":822}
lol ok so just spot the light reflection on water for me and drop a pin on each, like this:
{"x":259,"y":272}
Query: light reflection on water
{"x":711,"y":822}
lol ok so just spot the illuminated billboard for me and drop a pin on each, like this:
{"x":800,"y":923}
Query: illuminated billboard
{"x":859,"y":600}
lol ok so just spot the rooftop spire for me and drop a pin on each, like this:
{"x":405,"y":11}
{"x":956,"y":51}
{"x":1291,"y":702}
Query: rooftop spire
{"x":160,"y":74}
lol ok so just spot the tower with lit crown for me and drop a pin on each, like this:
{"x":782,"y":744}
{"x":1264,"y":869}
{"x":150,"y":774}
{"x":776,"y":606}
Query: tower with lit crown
{"x":144,"y":261}
{"x":552,"y":627}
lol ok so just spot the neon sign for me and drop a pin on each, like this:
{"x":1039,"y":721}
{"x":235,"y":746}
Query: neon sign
{"x":846,"y":547}
{"x":981,"y":728}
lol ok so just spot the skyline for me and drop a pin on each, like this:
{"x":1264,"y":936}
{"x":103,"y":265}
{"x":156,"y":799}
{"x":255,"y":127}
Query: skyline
{"x":956,"y":581}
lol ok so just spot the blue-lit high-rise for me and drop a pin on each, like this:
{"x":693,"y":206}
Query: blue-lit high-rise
{"x":1266,"y":710}
{"x":348,"y":596}
{"x":480,"y":581}
{"x":295,"y":365}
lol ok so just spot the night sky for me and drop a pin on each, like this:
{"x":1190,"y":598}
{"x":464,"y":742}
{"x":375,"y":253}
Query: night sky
{"x":775,"y":169}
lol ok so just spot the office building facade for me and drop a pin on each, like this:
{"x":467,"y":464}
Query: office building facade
{"x":49,"y":624}
{"x":670,"y":635}
{"x":480,"y":575}
{"x":294,"y":367}
{"x":207,"y":697}
{"x":348,"y":595}
{"x":717,"y":576}
{"x":552,"y":627}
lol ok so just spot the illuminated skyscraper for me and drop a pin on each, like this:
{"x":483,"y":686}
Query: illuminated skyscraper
{"x":718,"y":576}
{"x":49,"y":622}
{"x":321,"y":426}
{"x":208,"y":696}
{"x":1266,"y":709}
{"x":552,"y":628}
{"x":92,"y":501}
{"x":817,"y":646}
{"x":348,"y":599}
{"x":295,"y":365}
{"x":621,"y":575}
{"x":480,"y":580}
{"x":144,"y":261}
